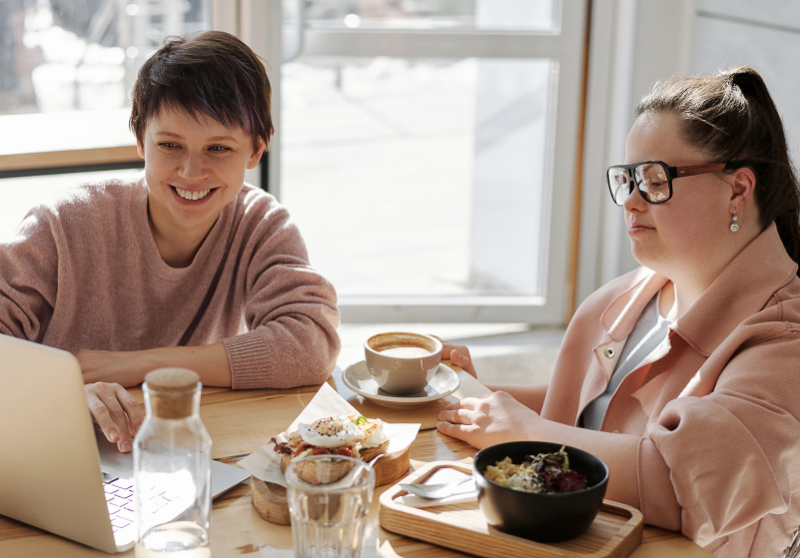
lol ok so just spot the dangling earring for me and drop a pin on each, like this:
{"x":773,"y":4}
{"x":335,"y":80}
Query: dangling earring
{"x":734,"y":226}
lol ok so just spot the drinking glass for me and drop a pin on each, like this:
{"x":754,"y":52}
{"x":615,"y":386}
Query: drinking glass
{"x":329,"y":498}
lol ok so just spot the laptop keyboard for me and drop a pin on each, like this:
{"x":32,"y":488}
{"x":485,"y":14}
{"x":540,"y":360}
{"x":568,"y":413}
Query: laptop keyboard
{"x":165,"y":504}
{"x":119,"y":497}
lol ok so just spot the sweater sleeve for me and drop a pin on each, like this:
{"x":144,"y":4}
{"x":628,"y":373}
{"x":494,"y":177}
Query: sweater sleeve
{"x":713,"y":465}
{"x":290,"y":312}
{"x":29,"y":277}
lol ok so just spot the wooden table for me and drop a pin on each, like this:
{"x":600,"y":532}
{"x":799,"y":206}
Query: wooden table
{"x":241,"y":421}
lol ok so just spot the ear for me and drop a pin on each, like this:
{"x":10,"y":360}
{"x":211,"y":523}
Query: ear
{"x":742,"y":188}
{"x":252,"y":161}
{"x":140,"y":149}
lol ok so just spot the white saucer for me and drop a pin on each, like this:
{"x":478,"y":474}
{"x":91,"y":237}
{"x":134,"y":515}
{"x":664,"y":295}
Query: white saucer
{"x":358,"y":378}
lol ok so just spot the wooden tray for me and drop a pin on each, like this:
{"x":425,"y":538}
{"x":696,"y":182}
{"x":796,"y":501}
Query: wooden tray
{"x":615,"y":533}
{"x":269,"y":498}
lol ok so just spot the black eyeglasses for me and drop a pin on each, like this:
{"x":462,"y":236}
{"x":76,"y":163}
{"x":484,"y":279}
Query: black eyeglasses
{"x":653,"y":179}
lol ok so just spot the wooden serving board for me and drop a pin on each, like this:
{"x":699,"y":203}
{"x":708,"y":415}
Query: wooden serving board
{"x":615,"y":533}
{"x":269,"y":498}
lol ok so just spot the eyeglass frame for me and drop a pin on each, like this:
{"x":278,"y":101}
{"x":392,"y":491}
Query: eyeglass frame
{"x":673,"y":173}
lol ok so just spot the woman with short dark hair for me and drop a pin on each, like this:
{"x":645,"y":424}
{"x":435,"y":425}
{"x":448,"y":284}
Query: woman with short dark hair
{"x":682,"y":375}
{"x":186,"y":266}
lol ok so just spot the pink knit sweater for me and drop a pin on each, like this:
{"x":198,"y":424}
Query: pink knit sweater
{"x":83,"y":272}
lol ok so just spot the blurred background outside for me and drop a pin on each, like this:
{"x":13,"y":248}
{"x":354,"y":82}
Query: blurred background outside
{"x":378,"y":154}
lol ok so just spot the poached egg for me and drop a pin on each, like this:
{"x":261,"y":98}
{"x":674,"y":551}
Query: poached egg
{"x":331,"y":432}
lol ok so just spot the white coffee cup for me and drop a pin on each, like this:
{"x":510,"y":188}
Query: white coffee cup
{"x":402,"y":363}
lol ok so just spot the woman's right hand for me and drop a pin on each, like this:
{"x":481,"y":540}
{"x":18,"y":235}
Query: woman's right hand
{"x":116,"y":411}
{"x":459,"y":355}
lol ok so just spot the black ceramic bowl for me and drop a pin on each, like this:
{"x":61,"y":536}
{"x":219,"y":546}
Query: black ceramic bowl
{"x":540,"y":517}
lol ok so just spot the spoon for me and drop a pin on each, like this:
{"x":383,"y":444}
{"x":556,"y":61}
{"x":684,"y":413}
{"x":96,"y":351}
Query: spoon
{"x":434,"y":491}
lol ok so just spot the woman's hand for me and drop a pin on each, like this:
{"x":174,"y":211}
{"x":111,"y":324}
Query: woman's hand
{"x":459,"y":355}
{"x":493,"y":419}
{"x":125,"y":368}
{"x":116,"y":411}
{"x":499,"y":418}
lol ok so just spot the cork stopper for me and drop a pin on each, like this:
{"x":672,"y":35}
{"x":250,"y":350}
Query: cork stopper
{"x":172,"y":391}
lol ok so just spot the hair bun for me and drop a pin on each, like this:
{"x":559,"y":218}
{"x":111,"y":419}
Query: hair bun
{"x":745,"y":78}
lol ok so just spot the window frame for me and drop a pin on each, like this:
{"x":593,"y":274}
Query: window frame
{"x":564,"y":46}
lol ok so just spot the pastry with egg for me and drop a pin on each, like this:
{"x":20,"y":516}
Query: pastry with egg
{"x":352,"y":435}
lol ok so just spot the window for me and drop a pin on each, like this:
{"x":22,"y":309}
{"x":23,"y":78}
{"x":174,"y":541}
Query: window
{"x":427,"y":151}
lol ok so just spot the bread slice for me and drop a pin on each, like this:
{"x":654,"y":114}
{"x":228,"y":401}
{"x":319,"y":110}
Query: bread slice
{"x":318,"y":471}
{"x":327,"y":471}
{"x":368,"y":454}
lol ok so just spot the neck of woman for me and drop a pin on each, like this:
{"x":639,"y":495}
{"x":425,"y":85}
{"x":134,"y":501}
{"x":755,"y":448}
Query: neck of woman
{"x":685,"y":288}
{"x":675,"y":301}
{"x":178,"y":247}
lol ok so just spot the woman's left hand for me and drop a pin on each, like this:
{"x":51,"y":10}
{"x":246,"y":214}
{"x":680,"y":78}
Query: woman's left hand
{"x":123,"y":368}
{"x":493,"y":419}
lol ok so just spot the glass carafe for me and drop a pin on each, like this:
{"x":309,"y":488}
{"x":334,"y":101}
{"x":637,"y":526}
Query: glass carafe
{"x":172,"y":468}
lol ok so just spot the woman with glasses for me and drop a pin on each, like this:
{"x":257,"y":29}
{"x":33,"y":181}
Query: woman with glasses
{"x":684,"y":375}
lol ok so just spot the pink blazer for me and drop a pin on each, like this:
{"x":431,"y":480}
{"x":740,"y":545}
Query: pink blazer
{"x":717,"y":407}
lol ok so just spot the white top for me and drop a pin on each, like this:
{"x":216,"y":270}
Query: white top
{"x":650,"y":331}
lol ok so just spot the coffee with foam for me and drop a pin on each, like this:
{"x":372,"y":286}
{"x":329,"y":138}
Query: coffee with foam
{"x":405,"y":352}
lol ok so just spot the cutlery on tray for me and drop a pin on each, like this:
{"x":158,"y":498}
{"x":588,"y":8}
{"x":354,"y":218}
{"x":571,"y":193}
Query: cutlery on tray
{"x":436,"y":491}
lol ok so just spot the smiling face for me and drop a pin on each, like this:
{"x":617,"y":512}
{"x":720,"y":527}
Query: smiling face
{"x":689,"y":236}
{"x":194,"y":167}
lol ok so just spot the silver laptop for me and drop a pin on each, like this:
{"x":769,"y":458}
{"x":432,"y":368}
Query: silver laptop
{"x":57,"y":471}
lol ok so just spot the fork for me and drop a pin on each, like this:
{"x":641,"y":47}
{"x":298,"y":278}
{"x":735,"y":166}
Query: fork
{"x":434,"y":491}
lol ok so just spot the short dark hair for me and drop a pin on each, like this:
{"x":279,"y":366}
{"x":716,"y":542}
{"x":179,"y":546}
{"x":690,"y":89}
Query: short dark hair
{"x":731,"y":116}
{"x":211,"y":73}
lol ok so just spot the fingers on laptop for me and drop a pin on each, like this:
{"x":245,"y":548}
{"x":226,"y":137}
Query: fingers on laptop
{"x":116,"y":411}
